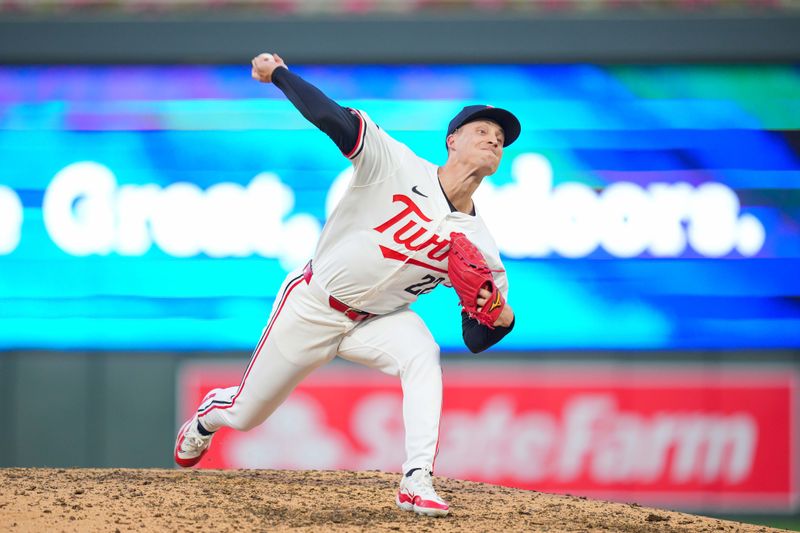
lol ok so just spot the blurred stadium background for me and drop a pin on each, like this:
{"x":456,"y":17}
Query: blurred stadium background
{"x":152,"y":197}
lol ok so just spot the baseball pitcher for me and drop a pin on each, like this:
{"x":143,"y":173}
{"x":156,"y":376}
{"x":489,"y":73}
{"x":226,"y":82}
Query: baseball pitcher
{"x":403,"y":227}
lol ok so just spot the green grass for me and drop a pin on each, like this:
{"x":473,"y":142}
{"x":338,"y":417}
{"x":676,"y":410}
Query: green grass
{"x":791,"y":523}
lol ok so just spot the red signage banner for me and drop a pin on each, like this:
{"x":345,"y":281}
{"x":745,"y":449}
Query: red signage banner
{"x":695,"y":437}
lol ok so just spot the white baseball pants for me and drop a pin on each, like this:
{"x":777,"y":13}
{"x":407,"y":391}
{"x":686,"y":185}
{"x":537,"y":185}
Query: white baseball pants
{"x":304,"y":332}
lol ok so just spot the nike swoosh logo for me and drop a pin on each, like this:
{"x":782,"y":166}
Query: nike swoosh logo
{"x":414,"y":190}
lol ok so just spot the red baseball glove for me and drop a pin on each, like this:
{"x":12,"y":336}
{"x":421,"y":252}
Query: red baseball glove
{"x":469,"y":273}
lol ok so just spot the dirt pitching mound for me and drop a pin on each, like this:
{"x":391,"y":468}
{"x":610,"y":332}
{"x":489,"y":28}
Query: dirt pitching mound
{"x":268,"y":500}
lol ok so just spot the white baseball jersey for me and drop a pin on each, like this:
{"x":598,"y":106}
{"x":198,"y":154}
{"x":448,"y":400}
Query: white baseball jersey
{"x":384,"y":245}
{"x":387,"y":240}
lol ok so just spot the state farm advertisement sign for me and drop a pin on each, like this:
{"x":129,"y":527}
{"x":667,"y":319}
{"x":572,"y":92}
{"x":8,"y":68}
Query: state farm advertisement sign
{"x":695,"y":437}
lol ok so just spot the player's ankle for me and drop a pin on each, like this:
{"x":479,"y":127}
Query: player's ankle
{"x":203,"y":431}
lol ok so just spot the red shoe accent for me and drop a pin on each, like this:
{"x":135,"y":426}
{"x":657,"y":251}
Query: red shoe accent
{"x":428,"y":504}
{"x":417,"y":501}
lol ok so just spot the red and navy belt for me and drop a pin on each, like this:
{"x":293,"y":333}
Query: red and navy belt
{"x":355,"y":315}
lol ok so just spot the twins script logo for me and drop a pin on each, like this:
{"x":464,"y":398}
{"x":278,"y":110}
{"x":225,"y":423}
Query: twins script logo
{"x":409,"y":231}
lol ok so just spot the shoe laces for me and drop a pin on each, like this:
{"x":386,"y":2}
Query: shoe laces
{"x":194,"y":440}
{"x":424,"y":484}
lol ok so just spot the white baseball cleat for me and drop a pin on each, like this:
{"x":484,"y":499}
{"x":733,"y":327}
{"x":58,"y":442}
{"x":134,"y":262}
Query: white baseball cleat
{"x":417,"y":494}
{"x":191,"y":445}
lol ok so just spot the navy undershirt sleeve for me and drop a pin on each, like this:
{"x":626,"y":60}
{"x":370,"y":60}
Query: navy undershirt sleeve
{"x":478,"y":337}
{"x":338,"y":122}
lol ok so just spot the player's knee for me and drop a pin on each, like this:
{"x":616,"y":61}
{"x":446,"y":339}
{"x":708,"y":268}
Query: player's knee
{"x":426,"y":355}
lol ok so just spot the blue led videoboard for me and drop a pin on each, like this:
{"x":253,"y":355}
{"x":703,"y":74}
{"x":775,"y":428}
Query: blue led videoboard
{"x":648,"y":207}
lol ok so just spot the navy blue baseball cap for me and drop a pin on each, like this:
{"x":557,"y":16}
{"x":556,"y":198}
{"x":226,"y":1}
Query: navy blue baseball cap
{"x":506,"y":119}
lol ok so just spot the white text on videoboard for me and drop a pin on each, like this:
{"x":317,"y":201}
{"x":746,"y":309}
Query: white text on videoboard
{"x":86,"y":212}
